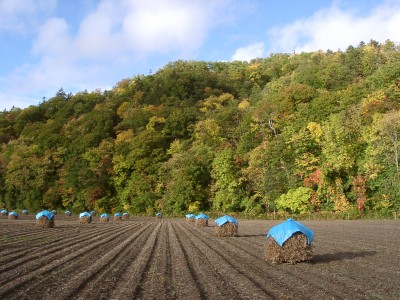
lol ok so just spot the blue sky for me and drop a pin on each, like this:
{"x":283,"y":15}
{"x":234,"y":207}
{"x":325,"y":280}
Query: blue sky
{"x":92,"y":44}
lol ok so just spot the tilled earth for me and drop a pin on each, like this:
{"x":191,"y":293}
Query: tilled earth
{"x":145,"y":258}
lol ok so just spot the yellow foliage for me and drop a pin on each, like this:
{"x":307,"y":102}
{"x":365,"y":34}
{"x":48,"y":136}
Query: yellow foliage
{"x":244,"y":104}
{"x":315,"y":131}
{"x":124,"y":136}
{"x":194,"y":206}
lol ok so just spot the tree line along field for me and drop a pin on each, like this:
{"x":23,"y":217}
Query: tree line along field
{"x":146,"y":258}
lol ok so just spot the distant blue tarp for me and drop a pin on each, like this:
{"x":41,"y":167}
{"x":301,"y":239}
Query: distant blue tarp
{"x":85,"y":214}
{"x":158,"y":214}
{"x":201,"y":216}
{"x":25,"y":211}
{"x":225,"y":219}
{"x":118,"y":215}
{"x":125,"y":214}
{"x":285,"y":230}
{"x":13,"y":213}
{"x":45,"y":213}
{"x":67,"y":212}
{"x":105,"y":216}
{"x":3,"y":211}
{"x":189,"y":216}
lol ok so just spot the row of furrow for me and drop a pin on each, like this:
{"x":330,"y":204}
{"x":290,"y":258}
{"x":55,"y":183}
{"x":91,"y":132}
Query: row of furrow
{"x":157,"y":280}
{"x":128,"y":285}
{"x":60,"y":275}
{"x":47,"y":264}
{"x":208,"y":274}
{"x":183,"y":280}
{"x":47,"y":251}
{"x":69,"y":236}
{"x":100,"y":278}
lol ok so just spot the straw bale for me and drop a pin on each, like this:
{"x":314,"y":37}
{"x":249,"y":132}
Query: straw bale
{"x":201,"y":222}
{"x":117,"y":218}
{"x":104,"y":220}
{"x":190,"y":220}
{"x":24,"y":213}
{"x":228,"y":229}
{"x":43,"y":222}
{"x":294,"y":250}
{"x":4,"y":213}
{"x":12,"y":217}
{"x":85,"y":220}
{"x":125,"y":217}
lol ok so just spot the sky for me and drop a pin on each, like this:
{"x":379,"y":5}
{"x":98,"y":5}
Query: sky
{"x":91,"y":45}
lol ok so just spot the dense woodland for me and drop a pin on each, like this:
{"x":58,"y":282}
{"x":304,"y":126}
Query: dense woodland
{"x":299,"y":133}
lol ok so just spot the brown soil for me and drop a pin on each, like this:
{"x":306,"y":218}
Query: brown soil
{"x":145,"y":258}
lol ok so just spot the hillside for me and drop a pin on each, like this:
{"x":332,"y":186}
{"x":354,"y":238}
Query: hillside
{"x":303,"y":132}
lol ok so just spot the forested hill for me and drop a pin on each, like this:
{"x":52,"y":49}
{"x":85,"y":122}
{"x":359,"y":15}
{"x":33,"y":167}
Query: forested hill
{"x":292,"y":132}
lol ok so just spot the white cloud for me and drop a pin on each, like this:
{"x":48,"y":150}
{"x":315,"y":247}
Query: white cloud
{"x":21,"y":15}
{"x":249,"y":52}
{"x":336,"y":28}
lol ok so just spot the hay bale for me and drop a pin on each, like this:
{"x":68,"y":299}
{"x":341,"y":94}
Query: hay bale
{"x":294,"y":250}
{"x":13,"y":216}
{"x":85,"y":219}
{"x":191,"y":220}
{"x":24,"y":212}
{"x":201,"y":222}
{"x":118,"y":217}
{"x":44,"y":222}
{"x":68,"y":213}
{"x":54,"y":212}
{"x":104,"y":219}
{"x":4,"y":212}
{"x":228,"y":229}
{"x":125,"y":216}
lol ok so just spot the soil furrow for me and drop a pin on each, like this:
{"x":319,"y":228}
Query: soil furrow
{"x":212,"y":282}
{"x":46,"y":264}
{"x":128,"y":285}
{"x":100,"y":284}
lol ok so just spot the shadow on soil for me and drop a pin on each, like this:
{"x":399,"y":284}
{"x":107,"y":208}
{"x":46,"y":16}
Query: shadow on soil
{"x":338,"y":256}
{"x":250,"y":235}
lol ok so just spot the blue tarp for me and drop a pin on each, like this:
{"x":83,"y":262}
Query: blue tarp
{"x":158,"y":214}
{"x":189,"y":216}
{"x":225,"y":219}
{"x":85,"y":214}
{"x":67,"y":212}
{"x":118,"y":215}
{"x":3,"y":211}
{"x":125,"y":214}
{"x":285,"y":230}
{"x":105,"y":216}
{"x":201,"y":216}
{"x":13,"y":213}
{"x":45,"y":213}
{"x":24,"y":211}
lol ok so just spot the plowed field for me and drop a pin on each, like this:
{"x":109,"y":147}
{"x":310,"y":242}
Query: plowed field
{"x":144,"y":258}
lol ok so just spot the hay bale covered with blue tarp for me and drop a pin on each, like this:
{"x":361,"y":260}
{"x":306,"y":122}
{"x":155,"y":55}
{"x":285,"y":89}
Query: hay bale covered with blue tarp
{"x":4,"y":212}
{"x":85,"y":217}
{"x":54,"y":212}
{"x":227,"y":226}
{"x":289,"y":242}
{"x":93,"y":213}
{"x":13,"y":215}
{"x":191,"y":218}
{"x":201,"y":220}
{"x":118,"y":217}
{"x":45,"y":219}
{"x":159,"y":216}
{"x":125,"y":216}
{"x":68,"y":213}
{"x":25,"y":212}
{"x":104,"y":218}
